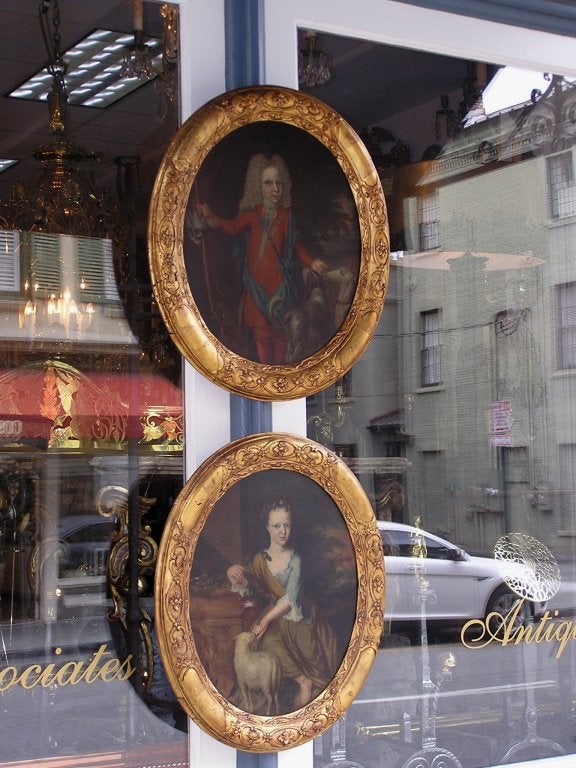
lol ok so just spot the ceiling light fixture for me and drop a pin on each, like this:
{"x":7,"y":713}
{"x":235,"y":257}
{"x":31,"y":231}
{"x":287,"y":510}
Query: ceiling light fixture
{"x":5,"y":164}
{"x":93,"y":68}
{"x":313,"y":67}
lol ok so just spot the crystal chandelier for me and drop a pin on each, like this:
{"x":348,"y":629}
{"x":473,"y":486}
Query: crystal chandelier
{"x":63,"y":199}
{"x":313,"y":66}
{"x":137,"y":57}
{"x":166,"y":84}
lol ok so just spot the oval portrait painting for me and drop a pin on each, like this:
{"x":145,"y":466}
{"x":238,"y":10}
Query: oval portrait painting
{"x":268,"y":243}
{"x":269,"y":592}
{"x":272,"y":243}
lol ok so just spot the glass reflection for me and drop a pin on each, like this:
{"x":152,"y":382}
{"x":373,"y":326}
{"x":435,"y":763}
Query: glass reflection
{"x":458,"y":421}
{"x":91,"y":433}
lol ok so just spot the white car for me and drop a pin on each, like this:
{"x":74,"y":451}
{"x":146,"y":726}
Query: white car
{"x":456,"y":586}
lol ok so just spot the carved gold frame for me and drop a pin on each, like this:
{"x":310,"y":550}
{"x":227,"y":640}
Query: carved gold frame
{"x":189,"y":680}
{"x":188,"y":150}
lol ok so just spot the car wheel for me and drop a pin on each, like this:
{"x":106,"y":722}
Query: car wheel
{"x":502,"y":601}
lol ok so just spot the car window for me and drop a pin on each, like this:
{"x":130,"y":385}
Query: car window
{"x":400,"y":543}
{"x":436,"y":551}
{"x":389,"y":544}
{"x":396,"y":543}
{"x":403,"y":543}
{"x":94,"y":532}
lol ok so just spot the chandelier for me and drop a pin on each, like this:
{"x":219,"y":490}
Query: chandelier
{"x":167,"y":82}
{"x":62,"y":199}
{"x":313,"y":68}
{"x":67,"y":245}
{"x":137,"y":57}
{"x":59,"y":228}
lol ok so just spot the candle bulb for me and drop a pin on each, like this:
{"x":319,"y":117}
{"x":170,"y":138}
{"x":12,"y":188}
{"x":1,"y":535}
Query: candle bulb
{"x":51,"y":308}
{"x":138,"y":16}
{"x":29,"y":316}
{"x":72,"y":317}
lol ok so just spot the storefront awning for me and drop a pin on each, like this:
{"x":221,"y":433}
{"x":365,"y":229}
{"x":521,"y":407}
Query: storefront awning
{"x":62,"y":406}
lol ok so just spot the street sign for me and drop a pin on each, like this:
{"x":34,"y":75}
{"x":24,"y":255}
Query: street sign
{"x":501,"y":416}
{"x":501,"y":441}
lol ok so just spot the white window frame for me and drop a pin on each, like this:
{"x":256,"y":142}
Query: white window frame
{"x":408,"y":26}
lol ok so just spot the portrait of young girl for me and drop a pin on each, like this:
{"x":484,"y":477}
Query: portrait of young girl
{"x":277,"y":556}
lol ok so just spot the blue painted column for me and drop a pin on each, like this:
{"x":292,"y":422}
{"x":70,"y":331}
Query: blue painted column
{"x":244,"y":42}
{"x":244,"y":66}
{"x":243,"y":37}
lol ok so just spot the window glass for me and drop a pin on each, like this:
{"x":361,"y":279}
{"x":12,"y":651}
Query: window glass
{"x":566,"y":325}
{"x":459,"y":422}
{"x":561,"y":181}
{"x":431,"y":348}
{"x":91,"y":433}
{"x":428,"y":219}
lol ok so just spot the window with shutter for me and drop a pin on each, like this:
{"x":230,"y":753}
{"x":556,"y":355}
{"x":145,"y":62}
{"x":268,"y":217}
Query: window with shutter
{"x":431,"y":352}
{"x":60,"y":262}
{"x":566,"y":326}
{"x":9,"y":260}
{"x":428,"y":224}
{"x":561,"y":186}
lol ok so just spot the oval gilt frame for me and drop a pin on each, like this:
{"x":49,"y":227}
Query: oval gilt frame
{"x":180,"y":636}
{"x":262,"y":108}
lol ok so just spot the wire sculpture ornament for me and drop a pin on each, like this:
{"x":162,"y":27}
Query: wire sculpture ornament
{"x":527,"y":566}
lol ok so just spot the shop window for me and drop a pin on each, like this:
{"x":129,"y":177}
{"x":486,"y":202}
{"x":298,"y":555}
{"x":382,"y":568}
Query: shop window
{"x":561,"y":185}
{"x":429,"y":228}
{"x":431,"y":352}
{"x":566,"y":326}
{"x":91,"y":422}
{"x":401,"y":543}
{"x":488,"y":461}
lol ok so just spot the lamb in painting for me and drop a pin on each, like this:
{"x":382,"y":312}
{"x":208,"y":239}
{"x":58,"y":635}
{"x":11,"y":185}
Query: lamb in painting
{"x":257,"y":671}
